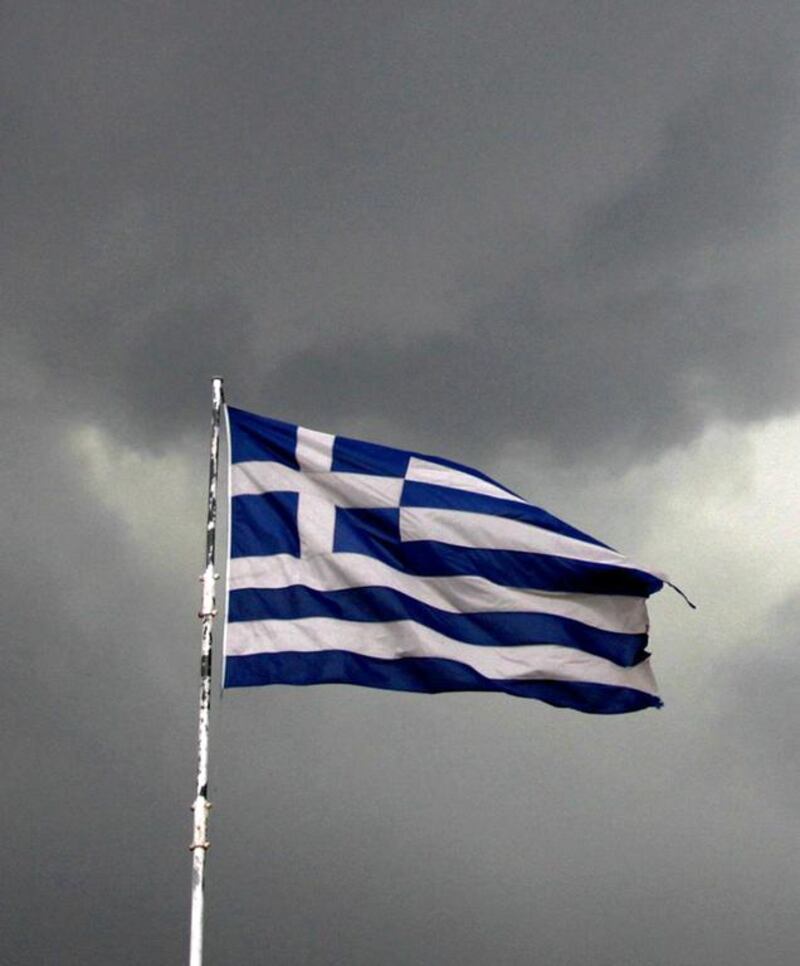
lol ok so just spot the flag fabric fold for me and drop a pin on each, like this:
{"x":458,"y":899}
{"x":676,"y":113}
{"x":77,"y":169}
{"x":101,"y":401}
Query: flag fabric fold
{"x":356,"y":563}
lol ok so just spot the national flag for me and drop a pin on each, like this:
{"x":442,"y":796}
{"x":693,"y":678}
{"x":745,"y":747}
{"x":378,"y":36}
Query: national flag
{"x":357,"y":563}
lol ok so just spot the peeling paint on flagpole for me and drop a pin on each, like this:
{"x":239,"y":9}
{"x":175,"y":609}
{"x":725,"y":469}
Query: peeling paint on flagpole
{"x":208,"y":611}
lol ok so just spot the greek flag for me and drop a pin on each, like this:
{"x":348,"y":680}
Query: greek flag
{"x":356,"y":563}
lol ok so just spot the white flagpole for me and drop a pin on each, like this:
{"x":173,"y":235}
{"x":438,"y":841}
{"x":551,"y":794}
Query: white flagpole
{"x":207,"y":613}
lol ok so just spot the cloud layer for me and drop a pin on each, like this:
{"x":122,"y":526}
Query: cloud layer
{"x":384,"y":218}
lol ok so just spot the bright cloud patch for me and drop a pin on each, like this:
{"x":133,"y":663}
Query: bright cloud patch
{"x":720,"y":516}
{"x":158,"y":498}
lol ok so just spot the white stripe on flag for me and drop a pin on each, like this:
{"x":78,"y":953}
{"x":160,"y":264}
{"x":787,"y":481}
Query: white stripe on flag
{"x":343,"y":489}
{"x":398,"y":639}
{"x":421,"y":471}
{"x":486,"y":531}
{"x":463,"y":594}
{"x":314,"y":450}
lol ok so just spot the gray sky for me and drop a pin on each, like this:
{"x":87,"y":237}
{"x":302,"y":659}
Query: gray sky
{"x":557,"y":240}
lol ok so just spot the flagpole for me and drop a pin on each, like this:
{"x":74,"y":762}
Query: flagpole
{"x":208,"y":611}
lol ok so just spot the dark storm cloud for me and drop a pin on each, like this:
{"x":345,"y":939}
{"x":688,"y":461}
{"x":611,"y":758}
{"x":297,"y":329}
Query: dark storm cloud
{"x":303,"y":201}
{"x":665,"y":313}
{"x":721,"y":172}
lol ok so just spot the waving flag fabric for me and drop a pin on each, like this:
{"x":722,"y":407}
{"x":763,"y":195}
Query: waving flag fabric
{"x":356,"y":563}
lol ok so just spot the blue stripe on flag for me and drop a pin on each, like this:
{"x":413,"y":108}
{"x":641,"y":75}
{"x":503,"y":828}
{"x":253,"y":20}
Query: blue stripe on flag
{"x":370,"y":532}
{"x":469,"y":470}
{"x":264,"y":524}
{"x":355,"y":528}
{"x":259,"y":438}
{"x":446,"y":498}
{"x":381,"y":604}
{"x":515,"y":568}
{"x":356,"y":456}
{"x":427,"y":675}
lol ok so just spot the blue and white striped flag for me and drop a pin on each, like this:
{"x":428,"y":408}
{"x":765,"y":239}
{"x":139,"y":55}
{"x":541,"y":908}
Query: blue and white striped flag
{"x":356,"y":563}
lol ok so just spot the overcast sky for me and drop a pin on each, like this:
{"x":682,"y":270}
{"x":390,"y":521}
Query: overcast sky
{"x":557,"y":240}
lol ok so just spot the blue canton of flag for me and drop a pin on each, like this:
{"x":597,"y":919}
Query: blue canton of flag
{"x":356,"y":563}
